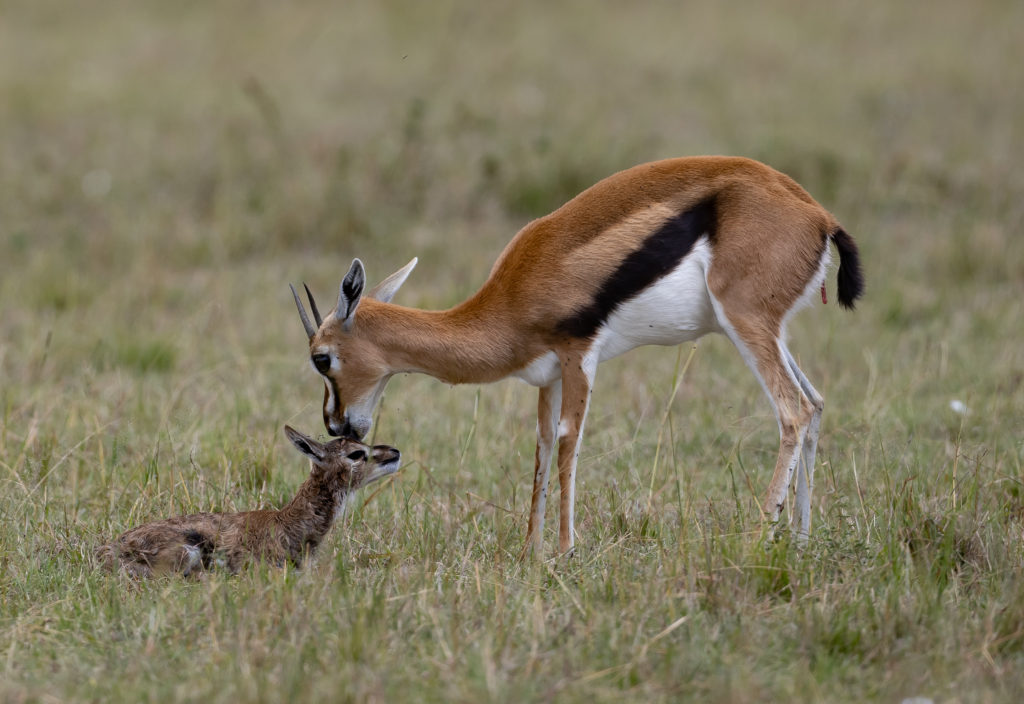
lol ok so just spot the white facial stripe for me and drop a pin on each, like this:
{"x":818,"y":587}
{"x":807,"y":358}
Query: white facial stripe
{"x":331,"y":404}
{"x":331,"y":401}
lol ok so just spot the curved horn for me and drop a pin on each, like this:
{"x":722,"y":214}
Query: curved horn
{"x":310,"y":330}
{"x":312,"y":304}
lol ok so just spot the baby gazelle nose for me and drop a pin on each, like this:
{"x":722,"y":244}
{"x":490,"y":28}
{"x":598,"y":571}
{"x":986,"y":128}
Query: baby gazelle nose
{"x":385,"y":454}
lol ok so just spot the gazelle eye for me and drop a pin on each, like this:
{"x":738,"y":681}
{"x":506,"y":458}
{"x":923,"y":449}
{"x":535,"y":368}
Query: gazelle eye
{"x":357,"y":456}
{"x":322,"y":362}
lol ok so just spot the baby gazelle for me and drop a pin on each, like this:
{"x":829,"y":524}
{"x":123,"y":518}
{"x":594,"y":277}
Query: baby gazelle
{"x":191,"y":544}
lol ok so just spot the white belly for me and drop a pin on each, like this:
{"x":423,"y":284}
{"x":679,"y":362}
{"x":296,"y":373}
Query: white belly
{"x":541,"y":371}
{"x":674,"y":309}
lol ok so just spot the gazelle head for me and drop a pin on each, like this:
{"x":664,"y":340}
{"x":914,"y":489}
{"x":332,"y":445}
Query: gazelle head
{"x":351,"y":364}
{"x":346,"y":464}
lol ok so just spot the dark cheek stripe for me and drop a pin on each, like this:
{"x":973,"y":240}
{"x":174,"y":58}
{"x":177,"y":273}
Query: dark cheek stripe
{"x":660,"y":253}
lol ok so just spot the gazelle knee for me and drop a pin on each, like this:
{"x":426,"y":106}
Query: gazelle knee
{"x":793,"y":422}
{"x":789,"y":429}
{"x":817,"y":403}
{"x":808,"y":409}
{"x":791,"y":425}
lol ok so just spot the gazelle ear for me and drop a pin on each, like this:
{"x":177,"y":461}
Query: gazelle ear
{"x":349,"y":293}
{"x":305,"y":444}
{"x":386,"y":289}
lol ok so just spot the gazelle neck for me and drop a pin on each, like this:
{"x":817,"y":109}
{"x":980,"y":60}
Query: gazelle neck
{"x":471,"y":343}
{"x":311,"y":513}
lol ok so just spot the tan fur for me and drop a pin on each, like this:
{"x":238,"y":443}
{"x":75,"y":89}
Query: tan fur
{"x":768,"y":244}
{"x":189,"y":545}
{"x":576,"y":388}
{"x":547,"y":419}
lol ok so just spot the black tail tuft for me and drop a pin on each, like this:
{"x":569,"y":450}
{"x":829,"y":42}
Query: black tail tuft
{"x":850,"y":277}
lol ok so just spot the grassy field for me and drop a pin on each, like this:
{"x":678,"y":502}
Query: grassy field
{"x":166,"y":169}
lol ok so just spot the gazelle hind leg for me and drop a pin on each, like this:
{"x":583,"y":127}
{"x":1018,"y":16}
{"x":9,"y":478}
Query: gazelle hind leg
{"x":793,"y":411}
{"x":763,"y":353}
{"x":805,"y":470}
{"x":549,"y":404}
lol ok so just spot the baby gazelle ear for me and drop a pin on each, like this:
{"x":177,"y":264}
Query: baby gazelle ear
{"x":306,"y":445}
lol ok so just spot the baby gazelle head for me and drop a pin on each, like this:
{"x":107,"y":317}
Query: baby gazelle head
{"x":346,"y":464}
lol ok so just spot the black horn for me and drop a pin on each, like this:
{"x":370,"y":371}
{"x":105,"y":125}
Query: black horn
{"x":312,"y":304}
{"x":310,"y":330}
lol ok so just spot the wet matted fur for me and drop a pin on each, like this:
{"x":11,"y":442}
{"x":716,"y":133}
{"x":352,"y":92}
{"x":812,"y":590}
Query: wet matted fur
{"x":189,"y":545}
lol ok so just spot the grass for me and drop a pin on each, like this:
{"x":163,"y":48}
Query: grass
{"x":167,"y":173}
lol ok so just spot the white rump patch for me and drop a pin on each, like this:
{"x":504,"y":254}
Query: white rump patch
{"x":811,"y":290}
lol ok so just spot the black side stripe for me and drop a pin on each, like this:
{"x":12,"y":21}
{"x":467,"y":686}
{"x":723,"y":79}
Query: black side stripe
{"x":660,"y":253}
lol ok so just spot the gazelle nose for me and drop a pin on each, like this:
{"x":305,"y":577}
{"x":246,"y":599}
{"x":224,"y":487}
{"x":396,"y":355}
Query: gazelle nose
{"x":339,"y":430}
{"x":345,"y":430}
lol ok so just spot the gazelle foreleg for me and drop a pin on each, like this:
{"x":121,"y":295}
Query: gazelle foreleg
{"x":579,"y":366}
{"x":549,"y":404}
{"x":805,"y":473}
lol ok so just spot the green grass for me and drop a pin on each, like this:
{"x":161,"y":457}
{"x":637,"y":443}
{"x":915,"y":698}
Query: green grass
{"x":168,"y":170}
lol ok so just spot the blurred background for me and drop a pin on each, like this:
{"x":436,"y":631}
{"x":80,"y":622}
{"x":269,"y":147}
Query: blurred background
{"x":167,"y":169}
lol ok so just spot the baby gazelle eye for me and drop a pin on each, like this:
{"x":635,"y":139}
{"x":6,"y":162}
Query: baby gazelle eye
{"x":322,"y":362}
{"x":357,"y":455}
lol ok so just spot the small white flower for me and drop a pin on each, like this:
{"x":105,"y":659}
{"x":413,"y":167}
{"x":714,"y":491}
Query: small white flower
{"x":957,"y":406}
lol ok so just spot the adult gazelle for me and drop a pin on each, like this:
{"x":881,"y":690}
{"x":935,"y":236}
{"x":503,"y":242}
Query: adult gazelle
{"x":658,"y":254}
